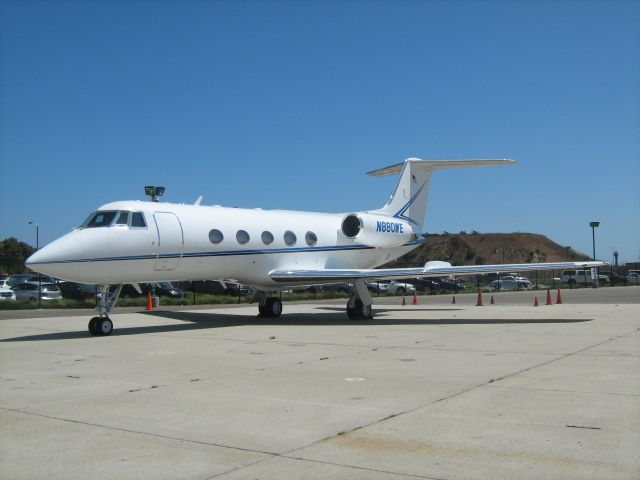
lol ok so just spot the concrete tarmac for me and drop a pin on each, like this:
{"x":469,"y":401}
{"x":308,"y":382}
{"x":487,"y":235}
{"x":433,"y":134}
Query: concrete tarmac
{"x":434,"y":390}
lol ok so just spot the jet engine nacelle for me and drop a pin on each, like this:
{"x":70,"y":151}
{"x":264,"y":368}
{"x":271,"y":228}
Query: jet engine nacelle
{"x":377,"y":230}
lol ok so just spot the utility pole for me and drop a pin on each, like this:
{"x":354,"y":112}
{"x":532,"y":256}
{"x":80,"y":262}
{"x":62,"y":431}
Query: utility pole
{"x":38,"y":248}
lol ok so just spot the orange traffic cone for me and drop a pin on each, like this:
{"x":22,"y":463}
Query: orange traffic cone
{"x":492,"y":302}
{"x":453,"y":300}
{"x":549,"y":302}
{"x":479,"y":302}
{"x":535,"y":302}
{"x":149,"y":302}
{"x":415,"y":299}
{"x":404,"y":301}
{"x":559,"y":298}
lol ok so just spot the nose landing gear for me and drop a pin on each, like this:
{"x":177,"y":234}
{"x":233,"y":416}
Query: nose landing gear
{"x":102,"y":324}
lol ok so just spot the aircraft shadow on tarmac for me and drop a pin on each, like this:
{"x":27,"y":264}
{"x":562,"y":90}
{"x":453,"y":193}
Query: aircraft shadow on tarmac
{"x":331,"y":317}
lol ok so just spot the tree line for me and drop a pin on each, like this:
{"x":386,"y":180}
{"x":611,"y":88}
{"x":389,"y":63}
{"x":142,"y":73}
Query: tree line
{"x":13,"y":253}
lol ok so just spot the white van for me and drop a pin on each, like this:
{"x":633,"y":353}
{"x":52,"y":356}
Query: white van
{"x":579,"y":277}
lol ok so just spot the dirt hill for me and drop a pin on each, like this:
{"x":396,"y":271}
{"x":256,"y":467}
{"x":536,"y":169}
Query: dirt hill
{"x":487,"y":248}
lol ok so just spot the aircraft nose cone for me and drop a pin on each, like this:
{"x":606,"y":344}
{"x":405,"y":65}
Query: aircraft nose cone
{"x":48,"y":259}
{"x":33,"y":259}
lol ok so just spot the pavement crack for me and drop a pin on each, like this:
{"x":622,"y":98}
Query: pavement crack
{"x":137,"y":432}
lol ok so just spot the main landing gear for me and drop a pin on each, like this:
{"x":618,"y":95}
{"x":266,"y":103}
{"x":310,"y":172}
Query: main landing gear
{"x":359,"y":305}
{"x":102,"y":324}
{"x":270,"y":307}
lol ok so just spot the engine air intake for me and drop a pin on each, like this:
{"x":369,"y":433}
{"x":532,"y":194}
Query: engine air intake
{"x":351,"y":225}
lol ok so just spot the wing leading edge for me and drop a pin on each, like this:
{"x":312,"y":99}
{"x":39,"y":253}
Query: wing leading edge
{"x":431,"y":269}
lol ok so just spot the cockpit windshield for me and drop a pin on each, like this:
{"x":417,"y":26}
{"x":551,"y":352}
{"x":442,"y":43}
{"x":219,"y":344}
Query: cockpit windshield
{"x":99,"y":219}
{"x":107,"y":218}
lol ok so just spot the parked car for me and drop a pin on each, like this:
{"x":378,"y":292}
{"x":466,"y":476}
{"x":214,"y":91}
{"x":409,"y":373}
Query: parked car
{"x":578,"y":277}
{"x":377,"y":287}
{"x":455,"y":284}
{"x":425,"y":284}
{"x":166,"y":289}
{"x":78,"y":291}
{"x":162,"y":289}
{"x":4,"y":283}
{"x":29,"y":291}
{"x":218,"y":287}
{"x":7,"y":294}
{"x":335,"y":287}
{"x":509,"y":282}
{"x":391,"y":287}
{"x":399,"y":288}
{"x":236,"y":289}
{"x":17,"y":279}
{"x":634,"y":277}
{"x":613,"y":277}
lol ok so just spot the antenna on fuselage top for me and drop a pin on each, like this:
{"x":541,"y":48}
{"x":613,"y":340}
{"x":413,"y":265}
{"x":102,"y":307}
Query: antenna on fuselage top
{"x":154,"y":192}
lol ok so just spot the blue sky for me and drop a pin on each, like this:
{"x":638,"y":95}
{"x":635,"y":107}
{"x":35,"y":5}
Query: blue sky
{"x":283,"y":104}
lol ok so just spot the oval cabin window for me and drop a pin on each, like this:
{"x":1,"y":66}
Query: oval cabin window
{"x":267,"y":237}
{"x":290,"y":238}
{"x":311,"y":239}
{"x":215,"y":236}
{"x":242,"y":236}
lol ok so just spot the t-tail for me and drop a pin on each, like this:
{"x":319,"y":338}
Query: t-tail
{"x":408,"y":200}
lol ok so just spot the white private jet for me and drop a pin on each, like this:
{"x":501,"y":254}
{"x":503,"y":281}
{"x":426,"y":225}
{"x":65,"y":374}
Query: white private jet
{"x":134,"y":241}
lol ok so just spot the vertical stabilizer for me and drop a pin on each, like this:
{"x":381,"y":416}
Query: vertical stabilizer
{"x":409,"y":197}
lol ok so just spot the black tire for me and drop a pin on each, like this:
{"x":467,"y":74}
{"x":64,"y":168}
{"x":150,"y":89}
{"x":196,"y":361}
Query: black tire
{"x":356,"y":310}
{"x":274,"y":307}
{"x":93,"y":326}
{"x":104,"y":326}
{"x":351,"y":311}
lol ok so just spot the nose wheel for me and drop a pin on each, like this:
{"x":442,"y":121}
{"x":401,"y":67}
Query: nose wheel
{"x":100,"y":326}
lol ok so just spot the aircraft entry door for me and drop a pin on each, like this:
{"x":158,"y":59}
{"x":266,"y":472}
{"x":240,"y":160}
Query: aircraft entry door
{"x":170,"y":241}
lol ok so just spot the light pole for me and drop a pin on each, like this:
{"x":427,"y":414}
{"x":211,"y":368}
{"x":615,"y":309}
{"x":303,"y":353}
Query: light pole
{"x":38,"y":248}
{"x":593,"y":226}
{"x":154,"y":192}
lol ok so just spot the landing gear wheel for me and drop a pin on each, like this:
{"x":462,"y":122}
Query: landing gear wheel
{"x":93,"y":326}
{"x":104,"y":326}
{"x":271,"y":307}
{"x":356,"y":310}
{"x":274,"y":307}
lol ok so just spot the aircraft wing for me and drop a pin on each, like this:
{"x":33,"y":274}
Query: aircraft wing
{"x":431,"y":269}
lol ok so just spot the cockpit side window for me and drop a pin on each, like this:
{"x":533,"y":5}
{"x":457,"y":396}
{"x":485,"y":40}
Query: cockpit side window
{"x":100,"y":219}
{"x":123,"y":218}
{"x":137,"y":220}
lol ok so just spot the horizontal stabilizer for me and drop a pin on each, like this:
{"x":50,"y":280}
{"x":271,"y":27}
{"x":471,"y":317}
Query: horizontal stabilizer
{"x":408,"y":201}
{"x":436,"y":164}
